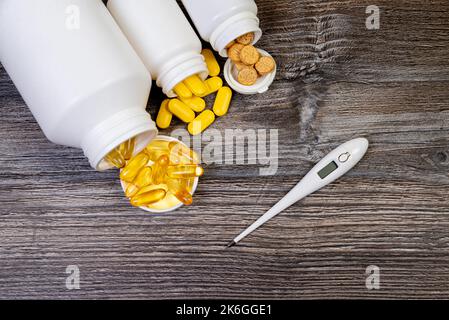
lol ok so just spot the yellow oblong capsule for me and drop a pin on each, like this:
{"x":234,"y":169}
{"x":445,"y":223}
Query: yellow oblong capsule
{"x":213,"y":85}
{"x":160,"y":169}
{"x":201,"y":123}
{"x":180,"y":189}
{"x":182,"y":91}
{"x":164,"y":116}
{"x":181,"y":110}
{"x":147,"y":198}
{"x":115,"y":158}
{"x":157,"y":148}
{"x":185,"y":171}
{"x":197,"y":104}
{"x":127,"y":148}
{"x":143,"y":178}
{"x":133,"y":167}
{"x":179,"y":153}
{"x":222,"y":101}
{"x":131,"y":190}
{"x":195,"y":85}
{"x":211,"y":62}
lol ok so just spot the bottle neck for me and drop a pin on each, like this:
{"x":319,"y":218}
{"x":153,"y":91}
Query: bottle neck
{"x":120,"y":127}
{"x":180,"y":68}
{"x":232,"y":28}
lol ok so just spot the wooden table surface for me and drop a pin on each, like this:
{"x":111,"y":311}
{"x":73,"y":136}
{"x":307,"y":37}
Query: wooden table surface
{"x":336,"y":81}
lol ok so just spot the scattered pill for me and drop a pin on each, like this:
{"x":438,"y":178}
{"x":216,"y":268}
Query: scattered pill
{"x":160,"y":169}
{"x":201,"y":123}
{"x":180,"y":189}
{"x":213,"y":84}
{"x":186,"y":171}
{"x":222,"y":101}
{"x":164,"y":116}
{"x":265,"y":65}
{"x":234,"y":52}
{"x":249,"y":55}
{"x":127,"y":148}
{"x":197,"y":104}
{"x":179,"y":153}
{"x":247,"y":76}
{"x":240,"y":65}
{"x":147,"y":198}
{"x":182,"y":91}
{"x":131,"y":190}
{"x":195,"y":85}
{"x":230,"y":44}
{"x":181,"y":110}
{"x":143,"y":177}
{"x":116,"y":159}
{"x":133,"y":167}
{"x":157,"y":148}
{"x":246,"y":38}
{"x":211,"y":62}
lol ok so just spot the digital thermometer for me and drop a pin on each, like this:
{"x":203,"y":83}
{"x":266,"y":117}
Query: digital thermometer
{"x":329,"y":169}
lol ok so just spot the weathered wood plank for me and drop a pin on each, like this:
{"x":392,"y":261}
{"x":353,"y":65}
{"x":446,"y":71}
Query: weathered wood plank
{"x":336,"y":81}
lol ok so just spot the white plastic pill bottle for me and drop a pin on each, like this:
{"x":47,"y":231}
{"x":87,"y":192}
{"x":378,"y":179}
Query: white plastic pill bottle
{"x":80,"y":77}
{"x":222,"y":21}
{"x":163,"y":38}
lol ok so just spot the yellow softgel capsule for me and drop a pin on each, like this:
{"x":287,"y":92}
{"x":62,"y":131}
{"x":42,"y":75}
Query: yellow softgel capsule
{"x":201,"y":123}
{"x":181,"y":110}
{"x":133,"y":167}
{"x":143,"y":177}
{"x":131,"y":190}
{"x":180,"y":189}
{"x":115,"y":158}
{"x":184,"y":171}
{"x":179,"y":153}
{"x":222,"y":101}
{"x":164,"y":116}
{"x":147,"y":198}
{"x":182,"y":91}
{"x":160,"y":169}
{"x":211,"y":62}
{"x":157,"y":148}
{"x":127,"y":148}
{"x":213,"y":85}
{"x":197,"y":104}
{"x":195,"y":85}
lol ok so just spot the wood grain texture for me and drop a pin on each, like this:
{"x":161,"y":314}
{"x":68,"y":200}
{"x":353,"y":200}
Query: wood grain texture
{"x":336,"y":81}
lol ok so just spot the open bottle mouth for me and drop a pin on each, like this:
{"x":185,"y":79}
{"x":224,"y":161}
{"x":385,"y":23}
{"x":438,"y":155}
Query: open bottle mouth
{"x":262,"y":84}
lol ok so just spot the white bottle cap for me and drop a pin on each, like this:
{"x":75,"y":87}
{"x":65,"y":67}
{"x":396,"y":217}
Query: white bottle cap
{"x":111,"y":133}
{"x":262,"y":84}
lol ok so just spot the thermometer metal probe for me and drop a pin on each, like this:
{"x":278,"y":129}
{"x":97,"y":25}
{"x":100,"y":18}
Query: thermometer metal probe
{"x":330,"y":168}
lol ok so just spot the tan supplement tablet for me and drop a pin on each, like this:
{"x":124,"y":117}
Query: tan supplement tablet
{"x":247,"y":76}
{"x":239,"y":66}
{"x":249,"y":55}
{"x":234,"y":52}
{"x":246,"y":38}
{"x":265,"y":65}
{"x":230,"y":44}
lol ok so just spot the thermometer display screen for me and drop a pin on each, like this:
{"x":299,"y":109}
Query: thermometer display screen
{"x":327,"y":170}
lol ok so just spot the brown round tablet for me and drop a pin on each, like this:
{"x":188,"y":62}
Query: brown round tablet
{"x":265,"y":65}
{"x":246,"y":38}
{"x":247,"y":76}
{"x":230,"y":44}
{"x":234,"y":52}
{"x":249,"y":55}
{"x":239,"y":66}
